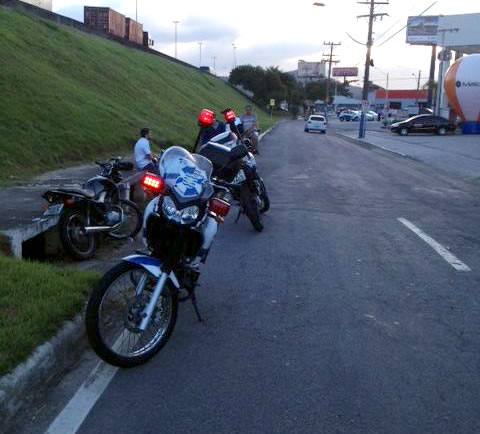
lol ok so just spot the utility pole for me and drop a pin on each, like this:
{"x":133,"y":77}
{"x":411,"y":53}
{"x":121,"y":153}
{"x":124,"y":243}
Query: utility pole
{"x":176,"y":22}
{"x":431,"y":77}
{"x":443,"y":53}
{"x":214,"y":58}
{"x":371,"y":17}
{"x":329,"y":61}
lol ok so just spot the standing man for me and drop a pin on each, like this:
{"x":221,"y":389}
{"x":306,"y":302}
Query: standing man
{"x":250,"y":126}
{"x":144,"y":158}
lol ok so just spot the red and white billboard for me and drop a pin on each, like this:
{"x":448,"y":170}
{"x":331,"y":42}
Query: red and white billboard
{"x":345,"y":72}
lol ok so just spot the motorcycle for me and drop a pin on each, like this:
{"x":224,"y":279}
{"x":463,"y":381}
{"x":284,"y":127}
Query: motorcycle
{"x":97,"y":207}
{"x":234,"y":166}
{"x":132,"y":313}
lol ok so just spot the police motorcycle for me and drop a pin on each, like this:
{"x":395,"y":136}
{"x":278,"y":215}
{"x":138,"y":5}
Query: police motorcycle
{"x":99,"y":206}
{"x":132,"y":313}
{"x":234,"y":167}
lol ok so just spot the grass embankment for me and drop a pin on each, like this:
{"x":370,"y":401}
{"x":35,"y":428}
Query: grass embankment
{"x":67,"y":96}
{"x":35,"y":299}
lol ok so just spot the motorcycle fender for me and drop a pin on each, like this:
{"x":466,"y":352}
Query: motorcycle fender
{"x":153,"y":266}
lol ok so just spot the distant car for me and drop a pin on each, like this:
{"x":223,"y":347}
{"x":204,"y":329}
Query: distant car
{"x":316,"y":123}
{"x":372,"y":116}
{"x":348,"y":115}
{"x":423,"y":124}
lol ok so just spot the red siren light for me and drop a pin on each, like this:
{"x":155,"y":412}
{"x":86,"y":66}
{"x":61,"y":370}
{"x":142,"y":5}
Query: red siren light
{"x":206,"y":118}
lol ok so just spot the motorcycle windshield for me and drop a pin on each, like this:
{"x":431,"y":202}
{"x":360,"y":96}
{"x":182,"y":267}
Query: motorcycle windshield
{"x":187,"y":175}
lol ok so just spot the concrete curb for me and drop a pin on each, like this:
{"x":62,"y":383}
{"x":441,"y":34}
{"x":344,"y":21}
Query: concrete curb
{"x":261,"y":136}
{"x":30,"y":379}
{"x":365,"y":144}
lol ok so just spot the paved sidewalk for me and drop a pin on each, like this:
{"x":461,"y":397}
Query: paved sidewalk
{"x":459,"y":154}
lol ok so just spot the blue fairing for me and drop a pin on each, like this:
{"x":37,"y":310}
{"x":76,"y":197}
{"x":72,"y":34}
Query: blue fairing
{"x":152,"y":265}
{"x":143,"y":260}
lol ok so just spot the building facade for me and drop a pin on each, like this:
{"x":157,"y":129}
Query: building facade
{"x":44,"y":4}
{"x":402,"y":99}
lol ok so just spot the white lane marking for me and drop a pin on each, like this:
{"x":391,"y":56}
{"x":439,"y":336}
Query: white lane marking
{"x":442,"y":251}
{"x":76,"y":411}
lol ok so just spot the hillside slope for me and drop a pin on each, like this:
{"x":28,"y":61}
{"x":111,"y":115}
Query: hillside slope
{"x":67,"y":96}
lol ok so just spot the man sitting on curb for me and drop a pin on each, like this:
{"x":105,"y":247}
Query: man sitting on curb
{"x":143,"y":156}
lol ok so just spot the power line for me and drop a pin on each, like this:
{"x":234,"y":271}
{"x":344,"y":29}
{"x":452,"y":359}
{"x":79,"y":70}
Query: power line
{"x":405,"y":26}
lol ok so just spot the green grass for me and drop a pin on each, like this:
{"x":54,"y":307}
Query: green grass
{"x":67,"y":96}
{"x":35,"y":299}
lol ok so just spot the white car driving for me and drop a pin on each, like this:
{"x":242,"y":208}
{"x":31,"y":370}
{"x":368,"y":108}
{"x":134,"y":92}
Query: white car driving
{"x":316,"y":123}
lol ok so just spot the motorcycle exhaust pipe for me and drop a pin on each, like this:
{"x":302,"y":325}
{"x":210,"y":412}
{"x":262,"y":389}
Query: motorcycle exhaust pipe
{"x":95,"y":229}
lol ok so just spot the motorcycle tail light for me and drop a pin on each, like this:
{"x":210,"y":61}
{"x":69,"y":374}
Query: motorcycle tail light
{"x":219,"y":207}
{"x":206,"y":118}
{"x":153,"y":182}
{"x":229,"y":115}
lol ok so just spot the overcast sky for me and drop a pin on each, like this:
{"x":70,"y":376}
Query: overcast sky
{"x":280,"y":32}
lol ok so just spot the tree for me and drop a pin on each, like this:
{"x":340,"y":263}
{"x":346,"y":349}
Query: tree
{"x":267,"y":84}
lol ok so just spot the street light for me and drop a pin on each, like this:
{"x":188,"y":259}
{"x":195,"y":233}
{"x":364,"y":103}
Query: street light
{"x":200,"y":46}
{"x":418,"y":87}
{"x":176,"y":22}
{"x":387,"y":102}
{"x":234,"y":56}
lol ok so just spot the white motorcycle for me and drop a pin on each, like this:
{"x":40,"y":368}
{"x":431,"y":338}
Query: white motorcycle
{"x":132,"y":313}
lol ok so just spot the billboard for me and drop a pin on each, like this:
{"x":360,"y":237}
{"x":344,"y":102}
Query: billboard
{"x":311,"y":69}
{"x":422,"y":30}
{"x":345,"y":72}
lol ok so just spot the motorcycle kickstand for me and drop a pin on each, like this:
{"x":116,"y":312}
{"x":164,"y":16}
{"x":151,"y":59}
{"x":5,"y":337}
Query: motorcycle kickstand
{"x":193,"y":299}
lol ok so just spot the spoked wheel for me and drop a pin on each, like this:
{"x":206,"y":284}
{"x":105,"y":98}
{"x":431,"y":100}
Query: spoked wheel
{"x":75,"y":241}
{"x":263,"y":195}
{"x":114,"y":313}
{"x":251,"y":205}
{"x":132,"y":221}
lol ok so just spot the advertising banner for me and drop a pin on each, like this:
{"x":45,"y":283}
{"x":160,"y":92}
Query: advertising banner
{"x":422,"y":30}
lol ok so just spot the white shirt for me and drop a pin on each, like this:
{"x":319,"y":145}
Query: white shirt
{"x":142,"y":149}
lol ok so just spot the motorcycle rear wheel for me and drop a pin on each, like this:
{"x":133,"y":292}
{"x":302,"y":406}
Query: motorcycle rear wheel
{"x":75,"y":241}
{"x":108,"y":334}
{"x":132,"y":221}
{"x":250,"y":203}
{"x":263,"y":196}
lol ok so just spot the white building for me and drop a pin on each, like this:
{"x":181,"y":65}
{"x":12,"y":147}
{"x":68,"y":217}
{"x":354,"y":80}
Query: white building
{"x":44,"y":4}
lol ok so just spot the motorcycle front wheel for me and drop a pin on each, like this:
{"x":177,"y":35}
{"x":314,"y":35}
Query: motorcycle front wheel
{"x":75,"y":241}
{"x":132,"y":221}
{"x":114,"y":313}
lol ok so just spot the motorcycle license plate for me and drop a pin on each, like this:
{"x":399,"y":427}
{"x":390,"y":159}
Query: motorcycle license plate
{"x":53,"y":210}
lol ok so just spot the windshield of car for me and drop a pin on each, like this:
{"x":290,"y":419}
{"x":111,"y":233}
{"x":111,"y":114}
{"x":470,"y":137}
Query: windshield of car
{"x":317,"y":118}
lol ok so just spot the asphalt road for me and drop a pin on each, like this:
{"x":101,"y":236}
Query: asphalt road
{"x":336,"y":319}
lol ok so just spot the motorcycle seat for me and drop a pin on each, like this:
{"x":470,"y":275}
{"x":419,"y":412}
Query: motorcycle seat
{"x":90,"y":194}
{"x":220,"y":155}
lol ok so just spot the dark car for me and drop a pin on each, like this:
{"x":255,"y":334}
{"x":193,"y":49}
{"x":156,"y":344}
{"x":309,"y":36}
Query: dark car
{"x":423,"y":124}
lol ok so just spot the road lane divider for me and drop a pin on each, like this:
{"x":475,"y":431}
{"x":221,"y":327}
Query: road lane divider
{"x":442,"y":251}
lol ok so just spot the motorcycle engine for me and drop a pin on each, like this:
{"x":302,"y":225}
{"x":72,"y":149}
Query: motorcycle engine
{"x":112,"y":217}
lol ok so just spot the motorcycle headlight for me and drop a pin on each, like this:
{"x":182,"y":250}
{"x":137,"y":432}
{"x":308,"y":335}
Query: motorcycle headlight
{"x":189,"y":215}
{"x":168,"y":207}
{"x":185,"y":216}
